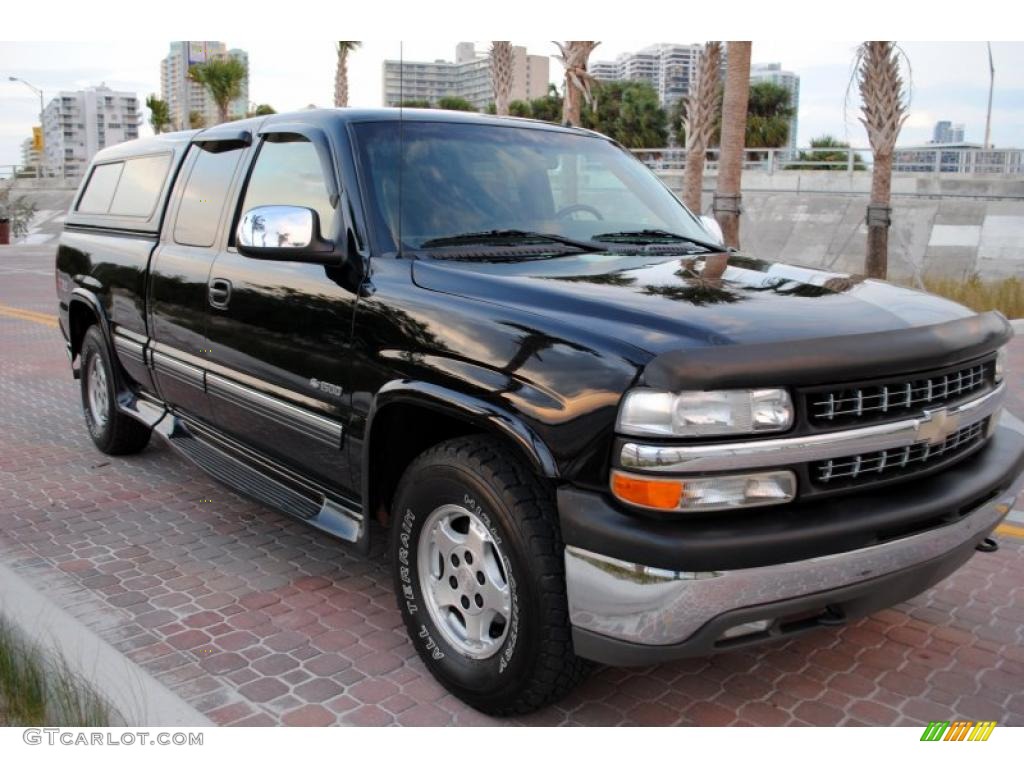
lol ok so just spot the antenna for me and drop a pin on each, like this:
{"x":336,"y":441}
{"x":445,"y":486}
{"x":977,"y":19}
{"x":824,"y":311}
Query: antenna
{"x":401,"y":136}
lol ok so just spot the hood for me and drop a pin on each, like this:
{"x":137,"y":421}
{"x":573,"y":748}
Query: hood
{"x":659,"y":303}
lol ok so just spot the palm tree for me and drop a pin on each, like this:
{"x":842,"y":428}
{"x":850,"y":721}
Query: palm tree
{"x":769,"y":110}
{"x":261,"y":109}
{"x":629,"y":112}
{"x":501,"y":74}
{"x":223,"y":78}
{"x":702,"y":109}
{"x":734,"y":123}
{"x":345,"y":47}
{"x":885,"y":110}
{"x":578,"y":82}
{"x":830,"y":155}
{"x":159,"y":113}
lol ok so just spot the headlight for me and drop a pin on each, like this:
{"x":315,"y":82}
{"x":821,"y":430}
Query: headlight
{"x":704,"y":414}
{"x":704,"y":494}
{"x":1001,"y":359}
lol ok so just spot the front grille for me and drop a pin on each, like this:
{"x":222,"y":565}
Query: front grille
{"x":878,"y":465}
{"x":894,"y":398}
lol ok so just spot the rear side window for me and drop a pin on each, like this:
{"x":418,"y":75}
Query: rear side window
{"x":140,"y":185}
{"x":99,"y":190}
{"x":288,"y":172}
{"x":202,"y":201}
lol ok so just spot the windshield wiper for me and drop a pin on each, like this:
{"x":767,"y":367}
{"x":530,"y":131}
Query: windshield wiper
{"x":508,"y":237}
{"x":653,"y":237}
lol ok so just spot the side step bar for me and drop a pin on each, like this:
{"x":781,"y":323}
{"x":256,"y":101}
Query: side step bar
{"x":256,"y":478}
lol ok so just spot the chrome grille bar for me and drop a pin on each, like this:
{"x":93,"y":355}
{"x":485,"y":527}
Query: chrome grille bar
{"x":863,"y":401}
{"x":852,"y":467}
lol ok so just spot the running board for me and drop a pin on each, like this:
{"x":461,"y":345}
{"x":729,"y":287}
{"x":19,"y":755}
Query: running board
{"x":277,"y":488}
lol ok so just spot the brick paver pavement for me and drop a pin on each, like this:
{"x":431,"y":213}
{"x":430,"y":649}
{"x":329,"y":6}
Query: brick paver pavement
{"x":257,"y":620}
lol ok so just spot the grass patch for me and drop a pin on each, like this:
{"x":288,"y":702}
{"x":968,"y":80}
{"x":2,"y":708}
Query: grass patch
{"x":1006,"y":295}
{"x":38,"y":689}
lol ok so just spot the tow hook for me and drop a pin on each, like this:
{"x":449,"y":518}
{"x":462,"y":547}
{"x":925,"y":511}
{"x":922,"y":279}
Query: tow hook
{"x":987,"y":545}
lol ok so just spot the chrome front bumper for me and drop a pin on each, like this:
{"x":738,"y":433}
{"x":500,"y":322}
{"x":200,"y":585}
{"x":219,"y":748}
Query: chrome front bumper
{"x":645,"y":606}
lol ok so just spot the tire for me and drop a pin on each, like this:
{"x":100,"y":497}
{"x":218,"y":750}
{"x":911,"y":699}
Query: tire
{"x":474,"y":491}
{"x":113,"y":432}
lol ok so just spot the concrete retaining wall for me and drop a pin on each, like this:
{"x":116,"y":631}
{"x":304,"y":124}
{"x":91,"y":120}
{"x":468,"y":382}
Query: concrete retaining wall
{"x":942,"y":226}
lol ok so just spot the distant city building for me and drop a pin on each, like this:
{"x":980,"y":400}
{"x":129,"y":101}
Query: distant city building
{"x":177,"y":90}
{"x":947,"y":133}
{"x":30,"y":156}
{"x":468,"y":77}
{"x":774,"y":73}
{"x":77,"y":124}
{"x":668,"y":67}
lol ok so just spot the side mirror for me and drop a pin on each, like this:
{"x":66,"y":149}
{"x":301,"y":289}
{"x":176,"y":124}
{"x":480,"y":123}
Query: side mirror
{"x":284,"y":233}
{"x":714,"y":229}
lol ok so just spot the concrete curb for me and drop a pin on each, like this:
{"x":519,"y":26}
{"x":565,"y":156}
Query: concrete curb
{"x":139,"y":697}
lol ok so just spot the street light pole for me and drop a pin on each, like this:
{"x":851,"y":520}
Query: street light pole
{"x":991,"y":86}
{"x":39,"y":93}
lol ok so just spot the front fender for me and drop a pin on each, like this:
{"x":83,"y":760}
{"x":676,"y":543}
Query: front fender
{"x":487,"y":416}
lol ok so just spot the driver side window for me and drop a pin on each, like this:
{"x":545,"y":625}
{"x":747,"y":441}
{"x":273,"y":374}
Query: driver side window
{"x":288,"y":172}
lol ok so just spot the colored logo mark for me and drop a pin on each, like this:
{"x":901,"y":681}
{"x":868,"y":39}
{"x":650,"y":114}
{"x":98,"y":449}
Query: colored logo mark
{"x":959,"y":730}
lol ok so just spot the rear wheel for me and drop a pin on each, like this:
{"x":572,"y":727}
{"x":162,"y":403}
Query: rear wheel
{"x":479,"y":571}
{"x":112,"y":431}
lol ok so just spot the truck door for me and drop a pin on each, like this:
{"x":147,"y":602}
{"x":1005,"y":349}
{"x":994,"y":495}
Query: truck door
{"x":277,"y":378}
{"x":179,"y":300}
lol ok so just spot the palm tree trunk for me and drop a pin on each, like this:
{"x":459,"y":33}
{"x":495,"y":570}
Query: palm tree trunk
{"x":701,"y":112}
{"x":341,"y":79}
{"x":693,"y":176}
{"x":734,"y":125}
{"x":501,"y":74}
{"x":876,"y":262}
{"x":885,"y":111}
{"x":575,"y":54}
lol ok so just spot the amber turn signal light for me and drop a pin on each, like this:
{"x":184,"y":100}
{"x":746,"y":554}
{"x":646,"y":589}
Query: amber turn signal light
{"x":647,"y":492}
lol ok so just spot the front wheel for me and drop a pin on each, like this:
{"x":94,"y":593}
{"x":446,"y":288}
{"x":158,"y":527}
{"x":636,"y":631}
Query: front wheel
{"x":479,"y":571}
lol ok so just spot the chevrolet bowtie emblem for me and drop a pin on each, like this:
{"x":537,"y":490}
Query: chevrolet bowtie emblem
{"x":937,"y":426}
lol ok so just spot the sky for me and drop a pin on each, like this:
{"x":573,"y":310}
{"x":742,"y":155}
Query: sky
{"x":949,"y":80}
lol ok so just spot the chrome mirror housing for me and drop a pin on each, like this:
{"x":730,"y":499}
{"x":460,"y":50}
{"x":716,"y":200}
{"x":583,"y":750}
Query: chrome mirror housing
{"x":277,"y":227}
{"x":714,"y":229}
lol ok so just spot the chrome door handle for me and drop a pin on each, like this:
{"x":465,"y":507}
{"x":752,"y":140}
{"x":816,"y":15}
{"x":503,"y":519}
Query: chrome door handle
{"x":220,"y":293}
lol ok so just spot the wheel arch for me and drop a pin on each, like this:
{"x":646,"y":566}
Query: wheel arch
{"x":85,"y":310}
{"x":423,"y":415}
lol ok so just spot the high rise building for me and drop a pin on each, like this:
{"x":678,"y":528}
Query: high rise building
{"x":77,"y":124}
{"x":668,"y":67}
{"x":30,"y":156}
{"x":774,"y":73}
{"x":947,"y":133}
{"x":468,"y":77}
{"x":185,"y":97}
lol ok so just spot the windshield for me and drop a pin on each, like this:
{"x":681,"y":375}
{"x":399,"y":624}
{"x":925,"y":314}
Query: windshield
{"x":460,"y":179}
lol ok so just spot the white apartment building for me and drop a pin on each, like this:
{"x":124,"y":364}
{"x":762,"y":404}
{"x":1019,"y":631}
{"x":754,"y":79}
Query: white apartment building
{"x":177,"y":90}
{"x":468,"y":77}
{"x":77,"y":124}
{"x":774,"y":73}
{"x":668,"y":67}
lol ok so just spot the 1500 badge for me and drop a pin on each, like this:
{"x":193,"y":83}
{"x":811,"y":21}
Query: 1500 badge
{"x":326,"y":386}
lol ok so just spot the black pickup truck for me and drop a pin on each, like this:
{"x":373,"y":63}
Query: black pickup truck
{"x":593,"y":432}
